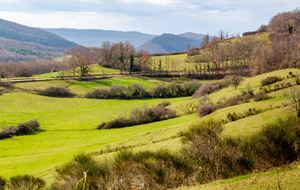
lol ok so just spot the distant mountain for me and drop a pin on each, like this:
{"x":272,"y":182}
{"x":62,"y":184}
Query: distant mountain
{"x":192,"y":35}
{"x":95,"y":37}
{"x":19,"y":42}
{"x":172,"y":43}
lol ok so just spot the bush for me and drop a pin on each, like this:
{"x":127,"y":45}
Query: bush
{"x":276,"y":144}
{"x":205,"y":109}
{"x":137,"y":91}
{"x":260,"y":96}
{"x":205,"y":89}
{"x":56,"y":92}
{"x":26,"y":182}
{"x":216,"y":158}
{"x":141,"y":116}
{"x":270,"y":80}
{"x":297,"y":80}
{"x":101,"y":93}
{"x":2,"y":183}
{"x":84,"y":172}
{"x":142,"y":170}
{"x":20,"y":129}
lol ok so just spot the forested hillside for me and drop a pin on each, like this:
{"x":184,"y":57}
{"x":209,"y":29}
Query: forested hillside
{"x":171,"y":43}
{"x":19,"y":42}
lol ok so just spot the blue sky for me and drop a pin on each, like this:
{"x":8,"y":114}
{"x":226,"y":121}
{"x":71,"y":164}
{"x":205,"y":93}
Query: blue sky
{"x":147,"y":16}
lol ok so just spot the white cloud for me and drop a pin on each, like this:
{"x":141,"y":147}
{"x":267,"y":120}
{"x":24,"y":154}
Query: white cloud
{"x":80,"y":20}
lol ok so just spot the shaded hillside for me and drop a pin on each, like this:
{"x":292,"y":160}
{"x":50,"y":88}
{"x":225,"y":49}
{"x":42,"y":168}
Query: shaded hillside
{"x":23,"y":43}
{"x":169,"y":43}
{"x":14,"y":31}
{"x":24,"y":51}
{"x":95,"y":38}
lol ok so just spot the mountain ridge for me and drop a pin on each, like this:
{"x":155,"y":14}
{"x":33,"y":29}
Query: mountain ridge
{"x":95,"y":37}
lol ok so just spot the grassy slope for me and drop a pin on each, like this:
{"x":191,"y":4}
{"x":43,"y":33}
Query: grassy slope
{"x":68,"y":128}
{"x":94,"y":70}
{"x":68,"y":124}
{"x":82,"y":87}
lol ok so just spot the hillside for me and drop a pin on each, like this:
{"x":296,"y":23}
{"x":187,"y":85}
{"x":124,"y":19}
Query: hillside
{"x":19,"y":42}
{"x":95,"y":38}
{"x":171,"y":43}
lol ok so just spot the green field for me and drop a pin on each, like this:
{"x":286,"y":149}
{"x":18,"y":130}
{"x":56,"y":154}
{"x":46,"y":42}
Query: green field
{"x":67,"y":124}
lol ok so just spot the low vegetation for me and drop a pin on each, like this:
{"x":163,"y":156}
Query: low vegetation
{"x":22,"y":182}
{"x":20,"y":129}
{"x":270,"y":80}
{"x":136,"y":91}
{"x":207,"y":156}
{"x":141,"y":116}
{"x":55,"y":91}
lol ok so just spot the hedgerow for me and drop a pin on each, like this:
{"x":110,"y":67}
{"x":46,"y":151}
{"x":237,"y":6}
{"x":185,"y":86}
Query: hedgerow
{"x":20,"y":129}
{"x":141,"y":116}
{"x":136,"y":91}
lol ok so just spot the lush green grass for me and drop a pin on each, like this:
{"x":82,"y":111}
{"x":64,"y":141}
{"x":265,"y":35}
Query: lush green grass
{"x":94,"y":70}
{"x":68,"y":128}
{"x":68,"y":123}
{"x":82,"y":87}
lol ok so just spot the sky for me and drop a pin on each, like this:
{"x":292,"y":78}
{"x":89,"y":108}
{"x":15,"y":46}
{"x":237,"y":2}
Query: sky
{"x":147,"y":16}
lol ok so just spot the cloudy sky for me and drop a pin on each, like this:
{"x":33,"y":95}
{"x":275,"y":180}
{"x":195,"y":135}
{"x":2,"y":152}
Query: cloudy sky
{"x":147,"y":16}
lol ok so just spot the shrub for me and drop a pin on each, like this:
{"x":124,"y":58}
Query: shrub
{"x":2,"y":183}
{"x":142,"y":170}
{"x":101,"y":93}
{"x":276,"y":144}
{"x":117,"y":91}
{"x":205,"y":109}
{"x":205,"y":89}
{"x":260,"y":96}
{"x":84,"y":172}
{"x":297,"y":80}
{"x":270,"y":80}
{"x":137,"y":91}
{"x":26,"y":182}
{"x":141,"y":116}
{"x":152,"y":170}
{"x":20,"y":129}
{"x":56,"y":92}
{"x":216,"y":158}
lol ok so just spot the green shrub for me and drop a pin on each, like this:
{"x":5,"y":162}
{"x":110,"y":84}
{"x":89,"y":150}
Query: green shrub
{"x":277,"y":143}
{"x":26,"y":182}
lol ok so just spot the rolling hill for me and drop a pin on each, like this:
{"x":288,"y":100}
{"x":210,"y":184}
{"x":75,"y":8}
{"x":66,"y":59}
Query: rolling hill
{"x":19,"y":42}
{"x":172,"y":43}
{"x":95,"y":37}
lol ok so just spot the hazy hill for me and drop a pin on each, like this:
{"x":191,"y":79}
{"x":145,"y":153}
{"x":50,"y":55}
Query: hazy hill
{"x":21,"y":43}
{"x":172,"y":43}
{"x":14,"y":31}
{"x":192,"y":35}
{"x":95,"y":37}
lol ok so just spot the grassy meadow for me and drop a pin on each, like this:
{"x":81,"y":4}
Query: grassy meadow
{"x":67,"y":124}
